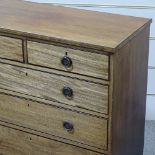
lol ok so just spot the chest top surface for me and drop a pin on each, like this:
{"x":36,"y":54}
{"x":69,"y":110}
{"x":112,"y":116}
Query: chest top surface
{"x":101,"y":31}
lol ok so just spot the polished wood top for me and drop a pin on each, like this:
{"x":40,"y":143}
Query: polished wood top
{"x":87,"y":29}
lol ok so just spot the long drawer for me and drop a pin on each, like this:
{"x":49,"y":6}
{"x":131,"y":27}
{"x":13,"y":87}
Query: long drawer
{"x":84,"y":129}
{"x":66,"y":59}
{"x":11,"y":48}
{"x":15,"y":142}
{"x":64,"y":90}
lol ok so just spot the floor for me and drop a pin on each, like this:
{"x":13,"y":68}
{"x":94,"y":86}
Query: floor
{"x":149,"y":148}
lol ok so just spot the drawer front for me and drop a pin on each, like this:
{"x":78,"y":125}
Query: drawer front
{"x":86,"y":95}
{"x":29,"y":144}
{"x":86,"y":63}
{"x":70,"y":125}
{"x":11,"y":48}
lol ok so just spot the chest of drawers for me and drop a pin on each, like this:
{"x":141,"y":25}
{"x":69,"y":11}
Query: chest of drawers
{"x":71,"y":81}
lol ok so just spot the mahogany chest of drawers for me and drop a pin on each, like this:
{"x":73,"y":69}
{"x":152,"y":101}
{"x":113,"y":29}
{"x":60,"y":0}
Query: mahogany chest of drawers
{"x":71,"y":81}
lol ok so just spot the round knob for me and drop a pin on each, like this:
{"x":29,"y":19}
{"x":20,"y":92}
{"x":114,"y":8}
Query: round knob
{"x":68,"y":126}
{"x":66,"y":61}
{"x":68,"y":92}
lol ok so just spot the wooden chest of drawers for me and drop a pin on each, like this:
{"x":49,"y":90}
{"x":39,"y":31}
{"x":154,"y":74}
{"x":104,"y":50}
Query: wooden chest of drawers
{"x":71,"y":81}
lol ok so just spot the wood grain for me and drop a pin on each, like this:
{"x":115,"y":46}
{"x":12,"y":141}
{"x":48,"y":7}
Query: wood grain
{"x":85,"y":63}
{"x":129,"y":96}
{"x":53,"y":103}
{"x":86,"y":95}
{"x":51,"y":137}
{"x":87,"y":130}
{"x":54,"y":71}
{"x":79,"y":28}
{"x":11,"y":48}
{"x":16,"y":142}
{"x":108,"y":78}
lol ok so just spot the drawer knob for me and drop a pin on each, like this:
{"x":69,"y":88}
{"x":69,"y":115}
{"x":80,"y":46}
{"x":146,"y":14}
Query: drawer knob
{"x":66,"y":61}
{"x":68,"y":126}
{"x":68,"y":92}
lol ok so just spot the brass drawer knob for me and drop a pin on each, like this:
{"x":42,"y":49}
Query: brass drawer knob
{"x":68,"y":92}
{"x":66,"y":61}
{"x":68,"y":126}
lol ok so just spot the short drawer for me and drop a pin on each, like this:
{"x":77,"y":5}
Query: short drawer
{"x":81,"y":128}
{"x":74,"y":61}
{"x":11,"y":48}
{"x":52,"y":87}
